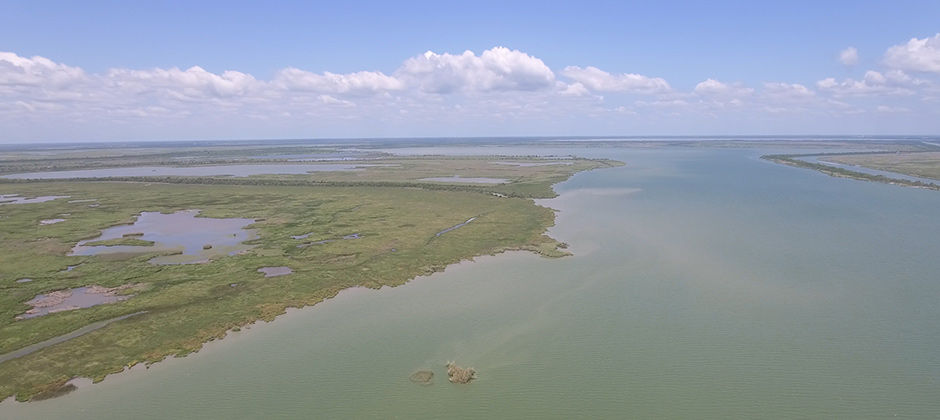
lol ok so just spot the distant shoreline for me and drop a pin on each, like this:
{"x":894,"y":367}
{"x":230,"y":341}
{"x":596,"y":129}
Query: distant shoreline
{"x":792,"y":160}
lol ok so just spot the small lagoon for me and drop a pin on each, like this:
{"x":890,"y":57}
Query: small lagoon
{"x":17,"y":199}
{"x":275,"y":271}
{"x":72,"y":299}
{"x":196,"y":238}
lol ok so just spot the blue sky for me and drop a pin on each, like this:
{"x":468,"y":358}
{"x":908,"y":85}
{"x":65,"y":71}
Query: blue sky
{"x":151,"y":70}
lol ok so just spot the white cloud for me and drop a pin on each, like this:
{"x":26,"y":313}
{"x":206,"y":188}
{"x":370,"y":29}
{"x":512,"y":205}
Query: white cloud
{"x":601,"y":81}
{"x":457,"y":92}
{"x":849,"y":56}
{"x":874,"y":84}
{"x":790,"y":92}
{"x":874,"y":77}
{"x":916,"y":55}
{"x":624,"y":110}
{"x":575,"y":89}
{"x":891,"y":110}
{"x":712,"y":87}
{"x":898,"y":77}
{"x":36,"y":71}
{"x":497,"y":69}
{"x":663,"y":103}
{"x":363,"y":82}
{"x":194,"y":82}
{"x":327,"y":99}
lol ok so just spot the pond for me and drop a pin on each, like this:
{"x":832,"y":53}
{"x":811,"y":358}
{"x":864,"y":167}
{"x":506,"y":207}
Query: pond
{"x":72,"y":299}
{"x":16,"y":199}
{"x":197,"y":238}
{"x":275,"y":271}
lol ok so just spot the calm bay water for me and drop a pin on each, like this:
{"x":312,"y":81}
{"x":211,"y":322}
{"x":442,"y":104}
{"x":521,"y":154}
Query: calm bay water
{"x":705,"y":284}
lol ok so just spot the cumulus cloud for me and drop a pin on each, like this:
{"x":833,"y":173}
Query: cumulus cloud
{"x":665,"y":103}
{"x":601,"y":81}
{"x":791,"y":92}
{"x":712,"y":87}
{"x":849,"y":56}
{"x":431,"y":89}
{"x":327,"y":99}
{"x":194,"y":82}
{"x":916,"y":55}
{"x":873,"y":84}
{"x":36,"y":71}
{"x":363,"y":82}
{"x":891,"y":110}
{"x":574,"y":89}
{"x":497,"y":69}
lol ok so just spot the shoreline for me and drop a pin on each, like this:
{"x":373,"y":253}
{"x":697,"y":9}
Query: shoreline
{"x":836,"y":172}
{"x":233,"y":336}
{"x":539,"y":243}
{"x":64,"y":337}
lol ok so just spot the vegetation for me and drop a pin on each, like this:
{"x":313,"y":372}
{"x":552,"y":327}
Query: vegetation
{"x":922,"y":165}
{"x":180,"y":307}
{"x":793,"y":160}
{"x":126,"y":241}
{"x":459,"y":375}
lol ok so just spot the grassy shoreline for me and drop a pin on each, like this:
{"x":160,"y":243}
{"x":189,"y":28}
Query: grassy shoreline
{"x":792,"y":160}
{"x":189,"y":305}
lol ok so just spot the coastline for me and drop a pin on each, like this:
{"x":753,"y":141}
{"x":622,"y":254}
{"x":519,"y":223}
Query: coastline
{"x":540,"y":244}
{"x":791,"y":160}
{"x":251,"y":331}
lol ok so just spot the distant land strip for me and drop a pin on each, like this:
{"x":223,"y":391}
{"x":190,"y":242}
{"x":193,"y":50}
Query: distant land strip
{"x":793,"y":160}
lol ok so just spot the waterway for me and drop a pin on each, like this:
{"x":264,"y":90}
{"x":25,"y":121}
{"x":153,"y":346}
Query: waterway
{"x":705,"y":284}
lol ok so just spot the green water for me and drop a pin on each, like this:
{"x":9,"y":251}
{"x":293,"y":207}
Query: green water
{"x":706,"y":284}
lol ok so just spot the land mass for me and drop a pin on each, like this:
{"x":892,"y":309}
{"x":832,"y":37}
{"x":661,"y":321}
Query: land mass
{"x":394,"y":218}
{"x":796,"y":161}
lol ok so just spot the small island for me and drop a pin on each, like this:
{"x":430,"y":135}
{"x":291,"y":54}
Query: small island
{"x":459,"y":375}
{"x":123,"y":241}
{"x":423,"y":377}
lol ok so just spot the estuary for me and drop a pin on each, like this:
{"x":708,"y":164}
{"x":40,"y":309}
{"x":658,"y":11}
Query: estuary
{"x":703,"y":284}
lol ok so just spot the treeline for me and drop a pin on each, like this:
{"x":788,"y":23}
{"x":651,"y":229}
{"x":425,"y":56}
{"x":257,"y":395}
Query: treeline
{"x":792,"y":160}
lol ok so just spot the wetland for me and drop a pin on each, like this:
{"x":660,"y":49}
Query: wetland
{"x":190,"y":249}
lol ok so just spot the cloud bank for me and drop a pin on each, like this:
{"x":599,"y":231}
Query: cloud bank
{"x":442,"y":93}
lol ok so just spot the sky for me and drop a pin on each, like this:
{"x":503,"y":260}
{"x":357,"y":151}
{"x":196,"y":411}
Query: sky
{"x":204,"y":70}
